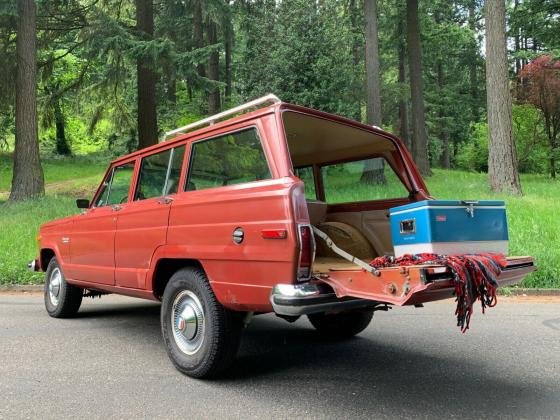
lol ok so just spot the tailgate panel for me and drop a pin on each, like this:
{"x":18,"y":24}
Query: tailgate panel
{"x":412,"y":284}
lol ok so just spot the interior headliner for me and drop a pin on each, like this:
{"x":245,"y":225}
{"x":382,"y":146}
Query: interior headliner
{"x":315,"y":140}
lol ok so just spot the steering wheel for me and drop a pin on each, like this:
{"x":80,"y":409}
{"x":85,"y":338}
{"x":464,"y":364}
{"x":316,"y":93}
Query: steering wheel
{"x":124,"y":199}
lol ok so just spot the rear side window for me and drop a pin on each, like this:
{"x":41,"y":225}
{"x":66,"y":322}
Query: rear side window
{"x":159,"y":174}
{"x":306,"y":175}
{"x":361,"y":180}
{"x":232,"y":159}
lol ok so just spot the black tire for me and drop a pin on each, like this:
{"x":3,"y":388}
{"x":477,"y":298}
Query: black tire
{"x":206,"y":346}
{"x":62,"y":300}
{"x":341,"y":325}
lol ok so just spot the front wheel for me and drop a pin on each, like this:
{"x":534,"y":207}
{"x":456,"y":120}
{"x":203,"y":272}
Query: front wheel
{"x":62,"y":300}
{"x":342,"y":324}
{"x":201,"y":336}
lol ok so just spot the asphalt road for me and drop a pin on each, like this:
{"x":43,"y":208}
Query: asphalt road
{"x":110,"y":363}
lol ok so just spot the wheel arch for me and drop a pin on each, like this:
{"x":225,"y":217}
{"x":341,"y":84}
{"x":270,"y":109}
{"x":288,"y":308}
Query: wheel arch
{"x":165,"y":268}
{"x":45,"y":256}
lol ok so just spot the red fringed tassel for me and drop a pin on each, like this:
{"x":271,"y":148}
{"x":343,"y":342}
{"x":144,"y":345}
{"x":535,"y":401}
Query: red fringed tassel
{"x":474,"y":275}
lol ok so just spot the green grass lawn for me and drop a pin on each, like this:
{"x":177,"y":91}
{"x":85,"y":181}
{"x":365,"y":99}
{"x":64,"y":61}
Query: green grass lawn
{"x":66,"y":179}
{"x":532,"y":226}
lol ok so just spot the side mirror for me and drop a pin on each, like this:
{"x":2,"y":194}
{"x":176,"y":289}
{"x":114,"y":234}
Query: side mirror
{"x":82,"y":203}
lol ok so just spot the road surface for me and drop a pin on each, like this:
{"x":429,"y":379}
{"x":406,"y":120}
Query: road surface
{"x":110,"y":363}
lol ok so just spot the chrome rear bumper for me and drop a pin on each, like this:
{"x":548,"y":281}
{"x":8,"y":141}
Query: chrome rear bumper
{"x":303,"y":299}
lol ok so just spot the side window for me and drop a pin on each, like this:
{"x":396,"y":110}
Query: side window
{"x":172,"y":185}
{"x":159,"y":174}
{"x":361,"y":180}
{"x":306,"y":175}
{"x":115,"y":189}
{"x":227,"y":160}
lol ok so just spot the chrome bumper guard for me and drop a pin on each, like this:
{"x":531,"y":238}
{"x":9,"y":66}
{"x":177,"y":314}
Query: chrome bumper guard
{"x":303,"y":299}
{"x":33,"y":265}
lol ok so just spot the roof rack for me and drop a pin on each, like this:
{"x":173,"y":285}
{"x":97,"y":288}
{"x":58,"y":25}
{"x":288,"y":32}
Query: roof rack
{"x":270,"y":98}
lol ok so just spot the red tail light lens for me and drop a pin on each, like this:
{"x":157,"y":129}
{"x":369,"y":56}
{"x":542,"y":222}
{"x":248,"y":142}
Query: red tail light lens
{"x":306,"y":252}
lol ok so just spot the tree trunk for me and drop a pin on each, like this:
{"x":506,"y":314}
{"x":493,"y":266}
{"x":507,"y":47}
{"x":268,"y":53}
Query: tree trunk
{"x":419,"y":136}
{"x":373,"y":81}
{"x":62,"y":147}
{"x":213,"y":69}
{"x":28,"y":180}
{"x":146,"y":84}
{"x":228,"y":53}
{"x":403,"y":108}
{"x":473,"y":79}
{"x":502,"y":160}
{"x":198,"y":32}
{"x":356,"y":57}
{"x":373,"y":168}
{"x":171,"y":85}
{"x":443,"y":134}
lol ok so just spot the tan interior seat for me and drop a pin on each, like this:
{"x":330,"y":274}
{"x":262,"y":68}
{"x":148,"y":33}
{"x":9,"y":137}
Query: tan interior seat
{"x":346,"y":237}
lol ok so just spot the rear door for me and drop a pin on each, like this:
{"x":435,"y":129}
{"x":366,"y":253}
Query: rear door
{"x":142,"y":223}
{"x":92,"y":241}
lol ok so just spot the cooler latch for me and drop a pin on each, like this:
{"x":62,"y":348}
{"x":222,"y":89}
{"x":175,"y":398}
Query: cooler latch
{"x":470,"y":206}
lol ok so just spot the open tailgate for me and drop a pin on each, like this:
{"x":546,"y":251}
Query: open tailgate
{"x":409,"y":285}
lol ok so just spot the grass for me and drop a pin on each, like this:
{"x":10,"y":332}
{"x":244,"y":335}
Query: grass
{"x":534,"y":229}
{"x":65,"y":179}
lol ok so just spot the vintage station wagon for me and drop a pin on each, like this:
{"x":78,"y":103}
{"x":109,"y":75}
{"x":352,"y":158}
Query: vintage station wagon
{"x":258,"y":209}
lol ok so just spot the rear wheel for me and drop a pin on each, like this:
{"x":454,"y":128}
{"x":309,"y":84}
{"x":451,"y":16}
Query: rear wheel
{"x":201,"y":336}
{"x":62,"y":300}
{"x":343,"y":324}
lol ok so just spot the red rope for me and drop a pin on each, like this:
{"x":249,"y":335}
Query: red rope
{"x":474,"y":276}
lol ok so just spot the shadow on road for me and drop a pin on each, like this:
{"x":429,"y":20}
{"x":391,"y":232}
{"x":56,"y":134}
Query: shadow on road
{"x":362,"y":372}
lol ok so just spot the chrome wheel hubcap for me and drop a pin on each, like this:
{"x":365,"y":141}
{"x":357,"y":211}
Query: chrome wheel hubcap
{"x":187,"y":319}
{"x":55,"y":282}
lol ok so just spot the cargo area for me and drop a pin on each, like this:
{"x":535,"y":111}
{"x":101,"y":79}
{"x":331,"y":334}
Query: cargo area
{"x":332,"y":159}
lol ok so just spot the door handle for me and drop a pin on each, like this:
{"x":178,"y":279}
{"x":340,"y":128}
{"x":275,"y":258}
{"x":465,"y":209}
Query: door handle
{"x":165,"y":200}
{"x":116,"y":207}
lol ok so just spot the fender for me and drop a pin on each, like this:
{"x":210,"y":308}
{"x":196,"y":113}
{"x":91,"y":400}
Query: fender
{"x":223,"y":273}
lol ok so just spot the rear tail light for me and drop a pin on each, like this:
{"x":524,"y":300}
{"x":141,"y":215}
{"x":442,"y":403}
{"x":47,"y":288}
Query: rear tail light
{"x":306,"y":242}
{"x":306,"y":252}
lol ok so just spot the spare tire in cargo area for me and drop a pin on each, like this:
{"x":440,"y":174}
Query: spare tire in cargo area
{"x":346,"y":237}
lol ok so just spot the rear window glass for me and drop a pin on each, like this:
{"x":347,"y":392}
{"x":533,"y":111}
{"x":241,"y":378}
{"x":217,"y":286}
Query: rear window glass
{"x":361,"y":180}
{"x":306,"y":175}
{"x":232,"y":159}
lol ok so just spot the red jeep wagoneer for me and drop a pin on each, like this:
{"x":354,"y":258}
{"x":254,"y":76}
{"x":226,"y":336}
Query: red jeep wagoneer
{"x":218,"y":224}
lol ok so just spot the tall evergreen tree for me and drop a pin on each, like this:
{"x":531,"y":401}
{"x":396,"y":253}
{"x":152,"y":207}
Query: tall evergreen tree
{"x":373,"y":172}
{"x":502,"y":157}
{"x":28,"y":180}
{"x":419,"y":136}
{"x":146,"y":78}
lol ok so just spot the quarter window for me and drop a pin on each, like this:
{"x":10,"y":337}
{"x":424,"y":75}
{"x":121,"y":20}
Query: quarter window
{"x":227,"y":160}
{"x":306,"y":175}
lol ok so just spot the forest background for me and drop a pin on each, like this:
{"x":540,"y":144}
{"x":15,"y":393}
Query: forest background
{"x":82,"y":81}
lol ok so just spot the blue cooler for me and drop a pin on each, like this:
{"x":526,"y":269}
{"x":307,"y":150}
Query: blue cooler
{"x":449,"y":227}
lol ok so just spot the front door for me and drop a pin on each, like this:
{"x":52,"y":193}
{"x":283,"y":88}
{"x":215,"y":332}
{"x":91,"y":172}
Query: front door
{"x":142,"y":223}
{"x":92,"y":241}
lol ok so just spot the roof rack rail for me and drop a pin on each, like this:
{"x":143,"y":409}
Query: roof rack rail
{"x":270,"y":98}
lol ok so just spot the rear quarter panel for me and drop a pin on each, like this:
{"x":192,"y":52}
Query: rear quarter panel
{"x":201,"y":225}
